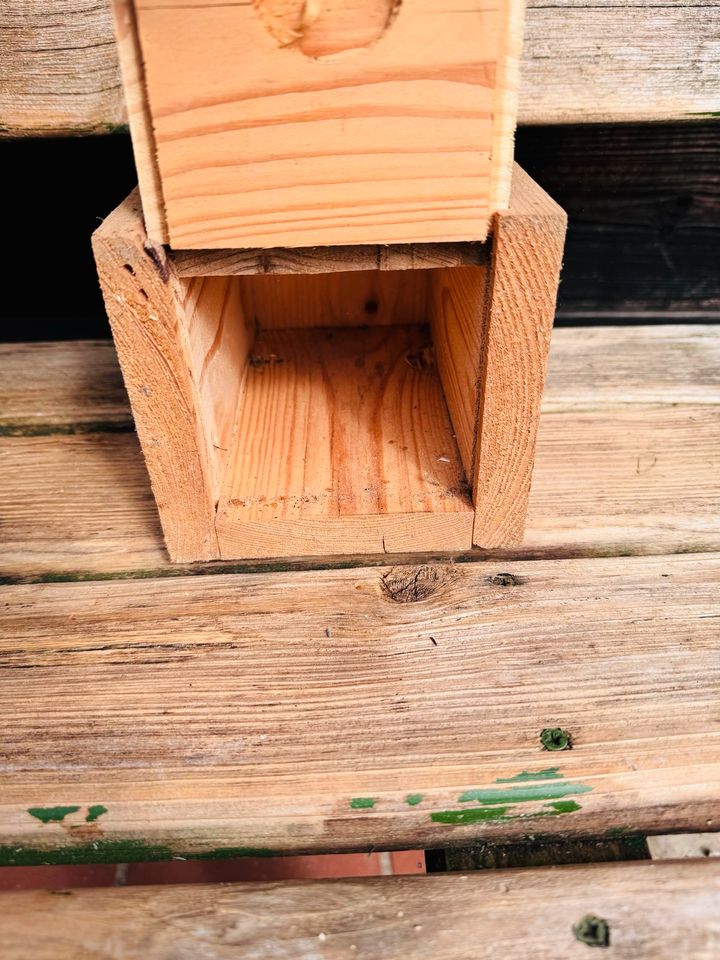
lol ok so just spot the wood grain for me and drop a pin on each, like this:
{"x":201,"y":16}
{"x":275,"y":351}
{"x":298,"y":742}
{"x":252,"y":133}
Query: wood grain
{"x":145,"y":305}
{"x":61,"y":72}
{"x":298,"y":712}
{"x":377,"y":122}
{"x":353,"y":299}
{"x":458,"y":319}
{"x":63,"y":386}
{"x":654,"y":912}
{"x":220,"y":334}
{"x":139,"y":119}
{"x":343,"y":445}
{"x":643,"y":205}
{"x":626,"y":460}
{"x":305,"y":260}
{"x":527,"y":253}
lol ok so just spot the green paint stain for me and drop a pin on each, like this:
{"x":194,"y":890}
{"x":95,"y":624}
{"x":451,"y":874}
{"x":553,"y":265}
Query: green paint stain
{"x":51,"y":814}
{"x":471,"y":815}
{"x":565,"y":806}
{"x":551,"y":773}
{"x":540,"y":791}
{"x":413,"y":799}
{"x":483,"y":814}
{"x":362,"y":803}
{"x":97,"y":810}
{"x":117,"y":851}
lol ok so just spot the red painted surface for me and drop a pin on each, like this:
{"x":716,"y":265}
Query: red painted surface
{"x":214,"y":871}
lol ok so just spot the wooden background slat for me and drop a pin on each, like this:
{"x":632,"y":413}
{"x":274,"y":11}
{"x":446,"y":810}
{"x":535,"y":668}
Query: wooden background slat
{"x":313,"y":712}
{"x":627,"y":461}
{"x":583,"y":62}
{"x":655,"y":911}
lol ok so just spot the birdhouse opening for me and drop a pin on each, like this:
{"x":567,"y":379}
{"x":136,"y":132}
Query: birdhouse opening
{"x":340,"y":407}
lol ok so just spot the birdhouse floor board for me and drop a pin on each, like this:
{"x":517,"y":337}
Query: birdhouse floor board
{"x":343,"y":443}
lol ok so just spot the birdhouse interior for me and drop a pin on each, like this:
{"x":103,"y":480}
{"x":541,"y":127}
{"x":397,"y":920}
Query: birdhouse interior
{"x":340,"y":407}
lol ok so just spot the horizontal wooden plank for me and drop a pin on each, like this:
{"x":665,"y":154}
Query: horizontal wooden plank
{"x":583,"y":62}
{"x":48,"y":388}
{"x":628,"y":456}
{"x":649,"y":911}
{"x":342,"y":710}
{"x":643,"y":203}
{"x":398,"y":256}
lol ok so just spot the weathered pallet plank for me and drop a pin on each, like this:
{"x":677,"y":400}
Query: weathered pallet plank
{"x":342,"y":710}
{"x":652,"y":911}
{"x":643,"y":205}
{"x":583,"y":61}
{"x":627,"y":459}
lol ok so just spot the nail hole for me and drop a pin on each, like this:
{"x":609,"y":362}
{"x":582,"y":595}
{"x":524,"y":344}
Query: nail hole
{"x":371,"y":305}
{"x":129,"y":269}
{"x":504,"y":580}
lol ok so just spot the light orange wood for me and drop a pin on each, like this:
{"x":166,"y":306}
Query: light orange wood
{"x":527,"y":253}
{"x":139,"y":120}
{"x":366,"y":297}
{"x":220,"y":335}
{"x":343,"y":444}
{"x":458,"y":310}
{"x":298,"y":712}
{"x":653,"y":911}
{"x":145,"y":304}
{"x":343,"y":122}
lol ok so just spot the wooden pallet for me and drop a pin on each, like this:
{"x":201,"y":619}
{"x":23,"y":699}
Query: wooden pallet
{"x":154,"y":711}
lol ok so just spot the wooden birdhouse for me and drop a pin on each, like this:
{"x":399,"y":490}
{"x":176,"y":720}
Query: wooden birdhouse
{"x":332,"y":296}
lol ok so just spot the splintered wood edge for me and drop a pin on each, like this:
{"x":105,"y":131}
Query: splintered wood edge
{"x":658,"y":911}
{"x":336,"y":259}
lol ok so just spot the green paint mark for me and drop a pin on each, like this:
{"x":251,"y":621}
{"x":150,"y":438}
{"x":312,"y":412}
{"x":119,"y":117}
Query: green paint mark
{"x":413,"y":799}
{"x":481,"y":814}
{"x":117,"y":851}
{"x":471,"y":815}
{"x":97,"y":810}
{"x":539,"y":791}
{"x":51,"y":814}
{"x":564,"y":806}
{"x":553,"y":738}
{"x":594,"y":931}
{"x":551,"y":773}
{"x":362,"y":803}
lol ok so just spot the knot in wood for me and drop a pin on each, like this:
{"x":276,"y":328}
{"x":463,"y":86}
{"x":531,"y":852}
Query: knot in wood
{"x":410,"y":584}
